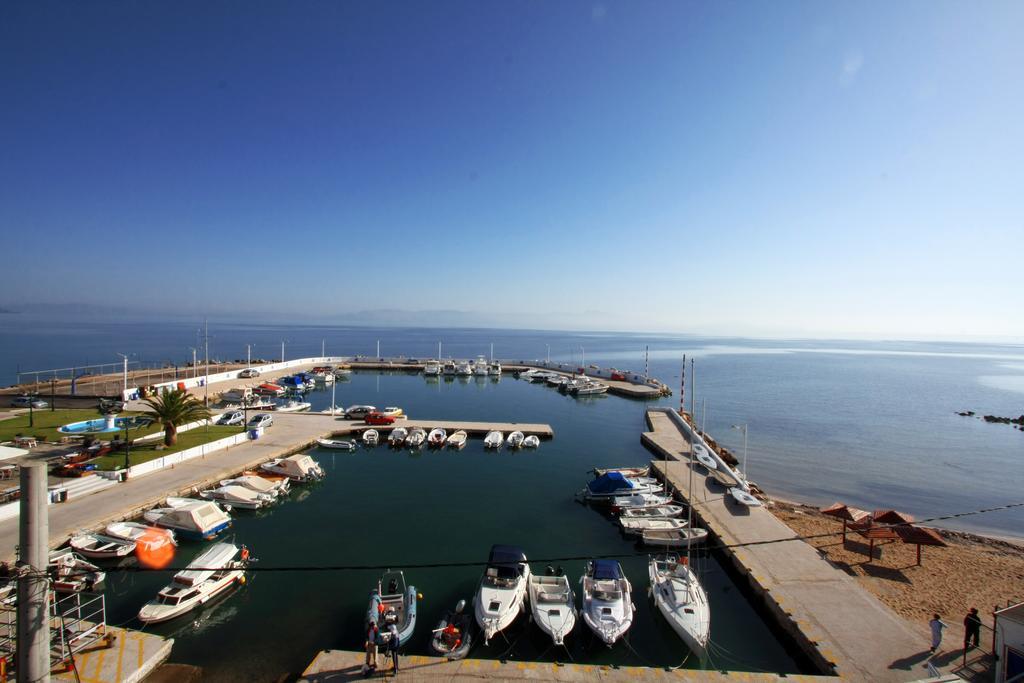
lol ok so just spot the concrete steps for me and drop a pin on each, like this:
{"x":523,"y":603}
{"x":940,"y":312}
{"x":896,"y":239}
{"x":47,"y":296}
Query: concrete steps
{"x":90,"y":483}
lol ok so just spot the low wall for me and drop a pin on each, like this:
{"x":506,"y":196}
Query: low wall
{"x":187,"y":454}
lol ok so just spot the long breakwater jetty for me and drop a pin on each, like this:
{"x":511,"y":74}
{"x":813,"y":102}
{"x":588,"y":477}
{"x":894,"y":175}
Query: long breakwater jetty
{"x":542,"y":431}
{"x":841,"y":627}
{"x":346,"y":665}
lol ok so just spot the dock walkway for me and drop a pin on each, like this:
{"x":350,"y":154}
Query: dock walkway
{"x":842,"y":627}
{"x":333,"y":666}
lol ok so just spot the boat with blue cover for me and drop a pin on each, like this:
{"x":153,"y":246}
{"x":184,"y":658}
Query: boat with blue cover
{"x":393,"y":603}
{"x":501,"y":596}
{"x":193,"y":519}
{"x":607,"y":600}
{"x":611,"y":484}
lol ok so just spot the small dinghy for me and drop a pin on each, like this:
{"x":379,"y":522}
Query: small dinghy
{"x":337,"y":444}
{"x":681,"y":599}
{"x":553,"y":605}
{"x":101,"y":547}
{"x":607,"y":600}
{"x":702,"y":456}
{"x":293,"y":406}
{"x":494,"y":439}
{"x":638,"y":525}
{"x":274,"y":487}
{"x":658,"y":512}
{"x":371,"y":437}
{"x":416,"y":437}
{"x":238,"y":497}
{"x":744,"y":497}
{"x":532,"y":441}
{"x":458,"y":439}
{"x":501,"y":595}
{"x":72,"y":574}
{"x":437,"y":438}
{"x":515,"y":440}
{"x":453,"y":636}
{"x":299,"y":468}
{"x":674,"y":538}
{"x":397,"y":436}
{"x":392,"y":603}
{"x":149,"y":538}
{"x":211,"y":574}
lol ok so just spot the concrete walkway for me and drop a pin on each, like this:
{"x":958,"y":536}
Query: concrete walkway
{"x":836,"y":622}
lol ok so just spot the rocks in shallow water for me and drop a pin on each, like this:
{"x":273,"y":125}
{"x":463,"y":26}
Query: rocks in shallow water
{"x":1017,"y":422}
{"x":966,"y":413}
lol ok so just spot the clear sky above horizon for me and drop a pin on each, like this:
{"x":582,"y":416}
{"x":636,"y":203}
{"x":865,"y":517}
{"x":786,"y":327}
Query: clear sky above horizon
{"x":816,"y":168}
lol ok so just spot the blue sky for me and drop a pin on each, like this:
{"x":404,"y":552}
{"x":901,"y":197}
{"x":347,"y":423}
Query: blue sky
{"x":834,"y":169}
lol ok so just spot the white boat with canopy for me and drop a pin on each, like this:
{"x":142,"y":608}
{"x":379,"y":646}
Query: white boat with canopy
{"x":607,"y":600}
{"x":299,"y":468}
{"x":501,"y":595}
{"x":532,"y":441}
{"x":397,"y":436}
{"x":515,"y":439}
{"x":209,"y":575}
{"x":494,"y":439}
{"x":238,"y":497}
{"x":259,"y":484}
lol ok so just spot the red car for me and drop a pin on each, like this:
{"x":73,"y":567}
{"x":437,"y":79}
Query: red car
{"x":379,"y":419}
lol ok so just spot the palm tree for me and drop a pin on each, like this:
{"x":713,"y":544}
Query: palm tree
{"x":175,"y":408}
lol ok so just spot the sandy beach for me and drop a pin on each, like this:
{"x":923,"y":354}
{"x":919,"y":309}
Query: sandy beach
{"x":971,"y":571}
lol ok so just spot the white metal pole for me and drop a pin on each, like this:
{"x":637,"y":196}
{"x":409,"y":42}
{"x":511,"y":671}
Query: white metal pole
{"x":206,"y":351}
{"x":323,"y":347}
{"x":333,"y":385}
{"x":125,"y":373}
{"x":492,"y":352}
{"x":439,"y":351}
{"x":282,"y":350}
{"x":248,"y":355}
{"x":378,"y":348}
{"x":549,"y":353}
{"x":195,"y":370}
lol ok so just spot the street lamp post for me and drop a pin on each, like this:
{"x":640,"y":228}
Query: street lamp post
{"x":744,"y":428}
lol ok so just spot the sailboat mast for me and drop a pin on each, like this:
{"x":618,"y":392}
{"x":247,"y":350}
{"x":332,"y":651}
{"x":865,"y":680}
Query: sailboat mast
{"x":693,"y":393}
{"x":689,"y":494}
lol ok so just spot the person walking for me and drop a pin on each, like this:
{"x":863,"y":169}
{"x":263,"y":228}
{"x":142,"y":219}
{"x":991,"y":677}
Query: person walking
{"x":393,"y":643}
{"x":972,"y":629}
{"x":936,"y":625}
{"x":372,"y":634}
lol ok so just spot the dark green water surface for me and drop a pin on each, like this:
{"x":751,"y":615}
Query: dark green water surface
{"x":402,"y":508}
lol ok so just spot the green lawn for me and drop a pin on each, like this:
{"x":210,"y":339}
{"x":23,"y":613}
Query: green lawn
{"x":147,"y":451}
{"x":45,"y":423}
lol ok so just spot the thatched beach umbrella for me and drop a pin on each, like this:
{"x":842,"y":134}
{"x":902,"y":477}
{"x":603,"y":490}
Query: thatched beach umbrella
{"x":919,"y":536}
{"x":849,"y":515}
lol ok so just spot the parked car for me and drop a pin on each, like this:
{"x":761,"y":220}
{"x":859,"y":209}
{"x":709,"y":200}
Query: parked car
{"x":235,"y":417}
{"x":358,"y":412}
{"x":379,"y":419}
{"x":249,"y":372}
{"x":27,"y":401}
{"x":261,"y":420}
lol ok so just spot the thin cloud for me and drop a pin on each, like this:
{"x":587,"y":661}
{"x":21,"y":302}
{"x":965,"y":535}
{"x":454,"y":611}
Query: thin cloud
{"x":853,"y":62}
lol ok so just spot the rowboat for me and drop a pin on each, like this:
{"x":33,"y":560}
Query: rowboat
{"x":674,"y":538}
{"x":337,"y":444}
{"x":458,"y":439}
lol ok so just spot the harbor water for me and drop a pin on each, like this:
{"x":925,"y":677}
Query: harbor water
{"x":401,"y":508}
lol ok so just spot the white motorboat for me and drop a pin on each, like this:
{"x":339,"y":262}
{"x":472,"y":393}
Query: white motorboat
{"x":501,"y":595}
{"x":416,"y":437}
{"x":664,"y":511}
{"x":542,"y":377}
{"x":293,"y":406}
{"x":238,"y":497}
{"x":101,"y":547}
{"x":607,"y":600}
{"x":300,"y":468}
{"x":640,"y":500}
{"x":437,"y":437}
{"x":274,"y":488}
{"x":206,"y":577}
{"x":337,"y":444}
{"x":194,"y":519}
{"x":638,"y":525}
{"x":464,"y":369}
{"x":432,"y":369}
{"x":458,"y":439}
{"x":744,"y":497}
{"x":553,"y":605}
{"x":480,"y":367}
{"x":449,"y":369}
{"x":532,"y":441}
{"x":515,"y":440}
{"x":590,"y":389}
{"x":397,"y":436}
{"x":325,"y":377}
{"x":494,"y":439}
{"x":681,"y":599}
{"x":615,"y":484}
{"x":528,"y":374}
{"x":149,"y":538}
{"x":371,"y":437}
{"x":72,"y":574}
{"x":674,"y":538}
{"x":553,"y":379}
{"x":494,"y":369}
{"x":342,"y":372}
{"x":625,"y":471}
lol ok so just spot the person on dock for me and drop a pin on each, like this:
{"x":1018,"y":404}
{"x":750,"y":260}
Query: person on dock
{"x":972,"y":629}
{"x":372,"y":633}
{"x":936,"y":625}
{"x":393,"y":643}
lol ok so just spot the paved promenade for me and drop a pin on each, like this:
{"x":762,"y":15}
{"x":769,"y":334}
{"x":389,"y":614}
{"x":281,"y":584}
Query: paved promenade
{"x":834,"y":620}
{"x":334,"y":666}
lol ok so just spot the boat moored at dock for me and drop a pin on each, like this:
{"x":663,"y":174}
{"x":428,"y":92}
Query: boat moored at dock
{"x":299,"y":468}
{"x":681,"y":599}
{"x":453,"y":636}
{"x":211,"y":574}
{"x":553,"y":605}
{"x":392,"y":603}
{"x":614,"y":484}
{"x":189,"y":518}
{"x":101,"y":547}
{"x":607,"y":600}
{"x":501,"y":595}
{"x":494,"y":439}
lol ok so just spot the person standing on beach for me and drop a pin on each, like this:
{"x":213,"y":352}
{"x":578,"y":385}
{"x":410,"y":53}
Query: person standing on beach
{"x":972,"y":629}
{"x":936,"y":625}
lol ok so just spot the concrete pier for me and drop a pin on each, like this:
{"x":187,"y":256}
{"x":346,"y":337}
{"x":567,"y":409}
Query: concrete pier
{"x":344,"y":665}
{"x":471,"y":428}
{"x":839,"y":625}
{"x":130,"y":657}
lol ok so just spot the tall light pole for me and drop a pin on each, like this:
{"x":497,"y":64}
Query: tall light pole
{"x":323,"y":347}
{"x":549,"y":353}
{"x":248,"y":356}
{"x":206,"y":351}
{"x":378,"y":349}
{"x":282,"y":350}
{"x":124,"y":356}
{"x":195,"y":368}
{"x":744,"y":428}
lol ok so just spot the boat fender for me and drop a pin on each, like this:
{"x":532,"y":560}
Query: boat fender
{"x":419,"y":596}
{"x":245,"y":554}
{"x":241,"y":580}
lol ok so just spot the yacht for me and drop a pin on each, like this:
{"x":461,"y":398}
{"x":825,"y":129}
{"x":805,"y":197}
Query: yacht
{"x":501,"y":595}
{"x":449,"y":369}
{"x":465,"y":369}
{"x":432,"y":369}
{"x":607,"y":600}
{"x":211,"y":574}
{"x":480,"y":367}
